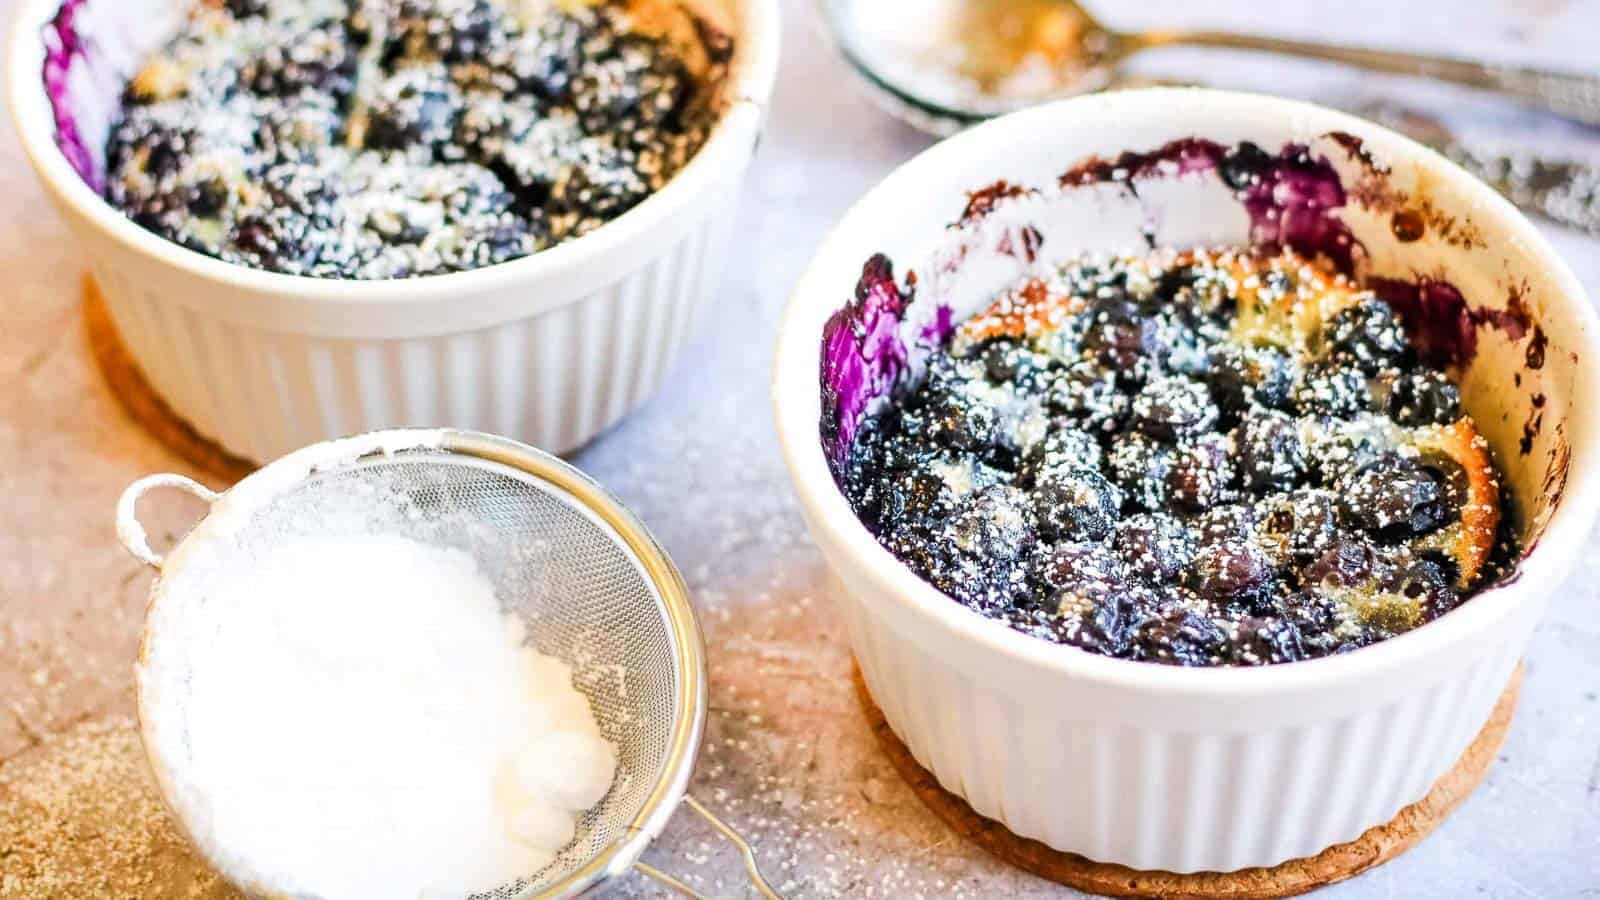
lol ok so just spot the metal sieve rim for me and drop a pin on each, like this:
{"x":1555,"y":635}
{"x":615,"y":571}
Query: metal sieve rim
{"x":688,"y":650}
{"x":688,"y":643}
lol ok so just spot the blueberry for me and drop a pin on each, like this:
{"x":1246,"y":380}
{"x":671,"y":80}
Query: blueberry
{"x":1173,"y":407}
{"x":1269,"y":450}
{"x":1008,"y":364}
{"x":1451,"y":477}
{"x":979,"y":555}
{"x":1075,"y":506}
{"x":1229,"y":520}
{"x":1333,"y":388}
{"x":1338,"y":447}
{"x":1141,"y":466}
{"x":1245,"y":376}
{"x":1105,"y":627}
{"x":1424,"y":397}
{"x":962,"y":422}
{"x":1368,"y":334}
{"x":1195,"y":292}
{"x":415,"y":106}
{"x":1232,"y":572}
{"x":1244,"y":165}
{"x":991,"y":524}
{"x":1202,"y":474}
{"x":637,"y":87}
{"x":1426,"y":581}
{"x":1089,"y":393}
{"x":1299,"y":526}
{"x":1316,"y":616}
{"x":1120,"y":338}
{"x":1182,"y":346}
{"x":1085,"y":568}
{"x":1064,"y":446}
{"x":912,"y":498}
{"x":319,"y":59}
{"x":209,"y":197}
{"x":1394,"y":498}
{"x":1154,"y":546}
{"x":456,"y":32}
{"x":256,"y":237}
{"x":1267,"y":641}
{"x":245,"y":9}
{"x":1347,"y":563}
{"x":1178,"y":636}
{"x":545,"y":62}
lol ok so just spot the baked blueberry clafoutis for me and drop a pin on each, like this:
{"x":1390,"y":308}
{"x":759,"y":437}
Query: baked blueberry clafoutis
{"x":391,"y":138}
{"x":1198,"y":458}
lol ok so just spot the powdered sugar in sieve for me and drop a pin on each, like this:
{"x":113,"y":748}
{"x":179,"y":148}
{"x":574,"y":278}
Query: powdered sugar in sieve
{"x":465,"y":567}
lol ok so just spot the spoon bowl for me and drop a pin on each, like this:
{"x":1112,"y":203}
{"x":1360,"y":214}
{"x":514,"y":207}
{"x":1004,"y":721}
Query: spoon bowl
{"x":971,"y":60}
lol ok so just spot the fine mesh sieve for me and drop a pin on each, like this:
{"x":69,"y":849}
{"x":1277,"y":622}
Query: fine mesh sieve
{"x":593,"y":587}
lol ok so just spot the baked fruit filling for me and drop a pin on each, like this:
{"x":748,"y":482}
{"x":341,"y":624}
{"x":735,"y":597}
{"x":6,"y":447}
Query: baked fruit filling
{"x":393,"y":138}
{"x":1199,"y":458}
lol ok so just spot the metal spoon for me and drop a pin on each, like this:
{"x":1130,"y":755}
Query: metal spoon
{"x":1565,"y":191}
{"x":989,"y":44}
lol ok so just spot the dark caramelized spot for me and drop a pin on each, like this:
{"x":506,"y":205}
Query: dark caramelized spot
{"x":1408,"y":226}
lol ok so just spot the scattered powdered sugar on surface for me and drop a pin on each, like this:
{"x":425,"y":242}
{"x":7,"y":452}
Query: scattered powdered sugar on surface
{"x":79,"y":817}
{"x":354,"y":717}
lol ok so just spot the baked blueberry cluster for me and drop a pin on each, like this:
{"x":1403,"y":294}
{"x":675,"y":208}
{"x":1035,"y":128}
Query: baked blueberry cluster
{"x":394,"y":138}
{"x":1216,"y":458}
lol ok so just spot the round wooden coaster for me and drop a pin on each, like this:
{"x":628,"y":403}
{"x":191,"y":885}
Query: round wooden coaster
{"x":1377,"y":846}
{"x":141,"y":402}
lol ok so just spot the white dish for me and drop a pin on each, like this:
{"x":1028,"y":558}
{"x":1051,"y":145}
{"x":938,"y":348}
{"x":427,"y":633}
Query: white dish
{"x":1187,"y":770}
{"x":551,"y":349}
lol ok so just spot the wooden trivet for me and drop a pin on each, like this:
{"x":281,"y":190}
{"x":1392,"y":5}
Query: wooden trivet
{"x":1377,"y":846}
{"x":141,"y":402}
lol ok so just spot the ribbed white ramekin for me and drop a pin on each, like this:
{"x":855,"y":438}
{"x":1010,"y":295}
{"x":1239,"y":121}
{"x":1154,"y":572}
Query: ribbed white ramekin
{"x":550,"y":349}
{"x":1184,"y":770}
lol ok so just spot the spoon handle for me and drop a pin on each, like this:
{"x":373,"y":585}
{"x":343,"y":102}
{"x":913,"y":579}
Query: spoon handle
{"x":1567,"y":94}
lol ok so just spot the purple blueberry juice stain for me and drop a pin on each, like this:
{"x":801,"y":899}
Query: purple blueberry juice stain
{"x":1444,"y":327}
{"x":1290,"y":197}
{"x":1291,"y":201}
{"x":939,"y":329}
{"x":863,"y":356}
{"x":1436,"y":315}
{"x":64,"y":45}
{"x":1181,"y":157}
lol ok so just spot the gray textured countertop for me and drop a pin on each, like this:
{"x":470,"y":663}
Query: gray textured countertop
{"x":788,"y":757}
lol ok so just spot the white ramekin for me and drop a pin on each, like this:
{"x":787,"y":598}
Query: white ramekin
{"x":551,"y":349}
{"x":1163,"y":768}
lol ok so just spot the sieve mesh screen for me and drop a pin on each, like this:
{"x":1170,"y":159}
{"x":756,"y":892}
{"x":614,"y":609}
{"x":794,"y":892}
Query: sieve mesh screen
{"x":584,"y":594}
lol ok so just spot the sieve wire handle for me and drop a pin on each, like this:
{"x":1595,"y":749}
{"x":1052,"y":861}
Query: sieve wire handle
{"x":131,"y":531}
{"x":735,"y":838}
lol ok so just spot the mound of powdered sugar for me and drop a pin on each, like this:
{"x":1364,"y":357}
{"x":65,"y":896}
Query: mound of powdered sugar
{"x":355,"y":717}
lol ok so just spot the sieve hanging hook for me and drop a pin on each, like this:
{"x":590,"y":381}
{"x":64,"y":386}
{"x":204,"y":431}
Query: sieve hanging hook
{"x":130,"y":531}
{"x":747,"y":852}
